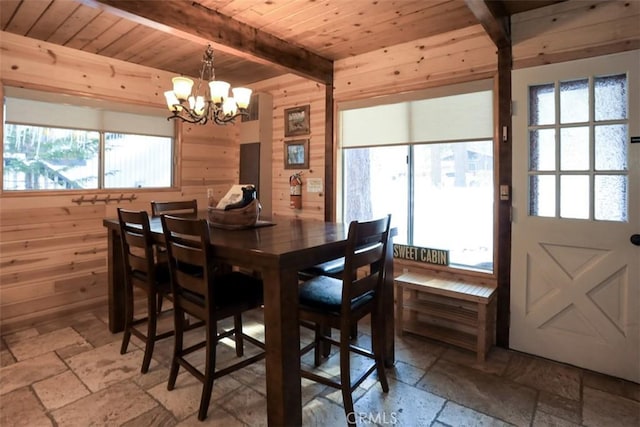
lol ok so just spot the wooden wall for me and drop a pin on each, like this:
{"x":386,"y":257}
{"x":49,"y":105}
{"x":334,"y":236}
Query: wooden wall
{"x":575,"y":29}
{"x":52,"y":250}
{"x":293,"y":91}
{"x":454,"y":57}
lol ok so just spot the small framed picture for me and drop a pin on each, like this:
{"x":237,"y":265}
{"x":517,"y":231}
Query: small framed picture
{"x":296,"y":154}
{"x":296,"y":121}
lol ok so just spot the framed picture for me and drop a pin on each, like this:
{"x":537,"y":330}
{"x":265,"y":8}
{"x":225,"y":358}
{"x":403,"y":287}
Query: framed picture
{"x":296,"y":121}
{"x":296,"y":154}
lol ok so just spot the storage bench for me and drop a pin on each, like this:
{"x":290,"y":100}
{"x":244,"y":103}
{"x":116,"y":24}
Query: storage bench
{"x":461,"y":314}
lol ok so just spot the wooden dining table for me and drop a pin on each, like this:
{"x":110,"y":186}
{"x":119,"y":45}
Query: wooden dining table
{"x":277,"y":251}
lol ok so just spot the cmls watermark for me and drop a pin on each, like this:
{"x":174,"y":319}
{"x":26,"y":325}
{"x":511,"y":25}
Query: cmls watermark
{"x":379,"y":418}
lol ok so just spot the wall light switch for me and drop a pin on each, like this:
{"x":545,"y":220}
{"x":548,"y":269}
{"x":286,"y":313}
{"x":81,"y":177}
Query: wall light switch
{"x":504,"y":192}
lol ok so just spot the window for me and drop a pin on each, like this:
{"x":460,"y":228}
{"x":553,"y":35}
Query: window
{"x":577,"y":149}
{"x":57,"y":146}
{"x":429,"y":163}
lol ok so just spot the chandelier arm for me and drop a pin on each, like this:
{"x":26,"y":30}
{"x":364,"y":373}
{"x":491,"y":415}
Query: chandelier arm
{"x":223,"y":120}
{"x":189,"y":118}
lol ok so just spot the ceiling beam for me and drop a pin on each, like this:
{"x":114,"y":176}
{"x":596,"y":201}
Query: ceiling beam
{"x":194,"y":22}
{"x":494,"y":19}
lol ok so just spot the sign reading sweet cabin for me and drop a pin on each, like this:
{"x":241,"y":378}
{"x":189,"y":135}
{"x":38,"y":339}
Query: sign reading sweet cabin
{"x":425,"y":255}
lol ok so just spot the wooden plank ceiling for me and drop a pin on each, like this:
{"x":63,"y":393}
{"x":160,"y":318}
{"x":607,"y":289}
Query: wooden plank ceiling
{"x":253,"y":40}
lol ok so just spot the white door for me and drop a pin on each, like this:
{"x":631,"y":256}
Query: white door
{"x":575,"y":274}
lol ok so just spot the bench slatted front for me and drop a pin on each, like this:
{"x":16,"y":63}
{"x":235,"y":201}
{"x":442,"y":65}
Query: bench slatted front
{"x":461,"y":314}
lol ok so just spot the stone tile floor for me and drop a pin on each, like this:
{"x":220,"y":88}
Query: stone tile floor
{"x":69,"y":372}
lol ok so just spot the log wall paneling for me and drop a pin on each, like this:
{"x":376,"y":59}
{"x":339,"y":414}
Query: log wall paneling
{"x":53,"y":251}
{"x":293,"y":91}
{"x":573,"y":30}
{"x":462,"y":55}
{"x":58,"y":68}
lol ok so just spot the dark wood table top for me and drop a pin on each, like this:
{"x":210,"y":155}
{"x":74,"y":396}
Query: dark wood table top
{"x":288,"y":243}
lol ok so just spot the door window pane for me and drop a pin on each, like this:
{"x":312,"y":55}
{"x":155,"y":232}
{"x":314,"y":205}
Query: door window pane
{"x":542,"y":195}
{"x":376,"y":183}
{"x":574,"y":149}
{"x":598,"y":151}
{"x":611,"y":197}
{"x":46,"y":158}
{"x":542,"y":150}
{"x":574,"y":196}
{"x":542,"y":105}
{"x":611,"y":147}
{"x":453,"y":201}
{"x":610,"y":97}
{"x":574,"y":101}
{"x":137,"y":161}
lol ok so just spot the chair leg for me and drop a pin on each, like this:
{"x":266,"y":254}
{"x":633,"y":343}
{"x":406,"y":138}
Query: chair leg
{"x":377,"y":344}
{"x":160,"y":298}
{"x":177,"y":347}
{"x":209,"y":369}
{"x":152,"y":322}
{"x":318,"y":344}
{"x":353,"y":333}
{"x":237,"y":325}
{"x":326,"y":345}
{"x":345,"y":379}
{"x":128,"y":318}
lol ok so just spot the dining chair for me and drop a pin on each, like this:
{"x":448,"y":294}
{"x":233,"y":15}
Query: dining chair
{"x":332,"y":268}
{"x":186,"y":208}
{"x":339,"y":303}
{"x":142,"y":270}
{"x":207,"y":295}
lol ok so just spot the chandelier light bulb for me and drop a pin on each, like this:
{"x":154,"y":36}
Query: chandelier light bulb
{"x":182,"y":87}
{"x":229,"y":107}
{"x":219,"y":91}
{"x":199,"y":107}
{"x":172,"y":101}
{"x":242,"y":95}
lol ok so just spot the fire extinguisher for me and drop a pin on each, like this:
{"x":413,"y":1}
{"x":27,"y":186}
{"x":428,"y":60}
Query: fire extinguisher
{"x":295,"y":191}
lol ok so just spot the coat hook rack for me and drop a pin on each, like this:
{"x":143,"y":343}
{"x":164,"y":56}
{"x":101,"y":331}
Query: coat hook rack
{"x":80,"y":200}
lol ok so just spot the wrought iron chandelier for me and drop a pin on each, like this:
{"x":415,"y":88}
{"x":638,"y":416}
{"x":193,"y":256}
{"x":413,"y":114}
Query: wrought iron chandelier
{"x":213,"y":104}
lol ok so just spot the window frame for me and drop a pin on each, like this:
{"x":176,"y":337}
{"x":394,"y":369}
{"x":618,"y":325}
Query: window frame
{"x":441,"y":91}
{"x":29,"y":92}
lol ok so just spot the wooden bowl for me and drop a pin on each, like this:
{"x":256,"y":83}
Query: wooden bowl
{"x":235,"y":218}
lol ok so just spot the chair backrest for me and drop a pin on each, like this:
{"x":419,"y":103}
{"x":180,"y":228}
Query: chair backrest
{"x":188,"y":249}
{"x":366,"y":247}
{"x":137,"y":246}
{"x":183,"y":208}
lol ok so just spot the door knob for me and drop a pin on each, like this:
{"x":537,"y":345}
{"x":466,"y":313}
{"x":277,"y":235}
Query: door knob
{"x":635,"y":239}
